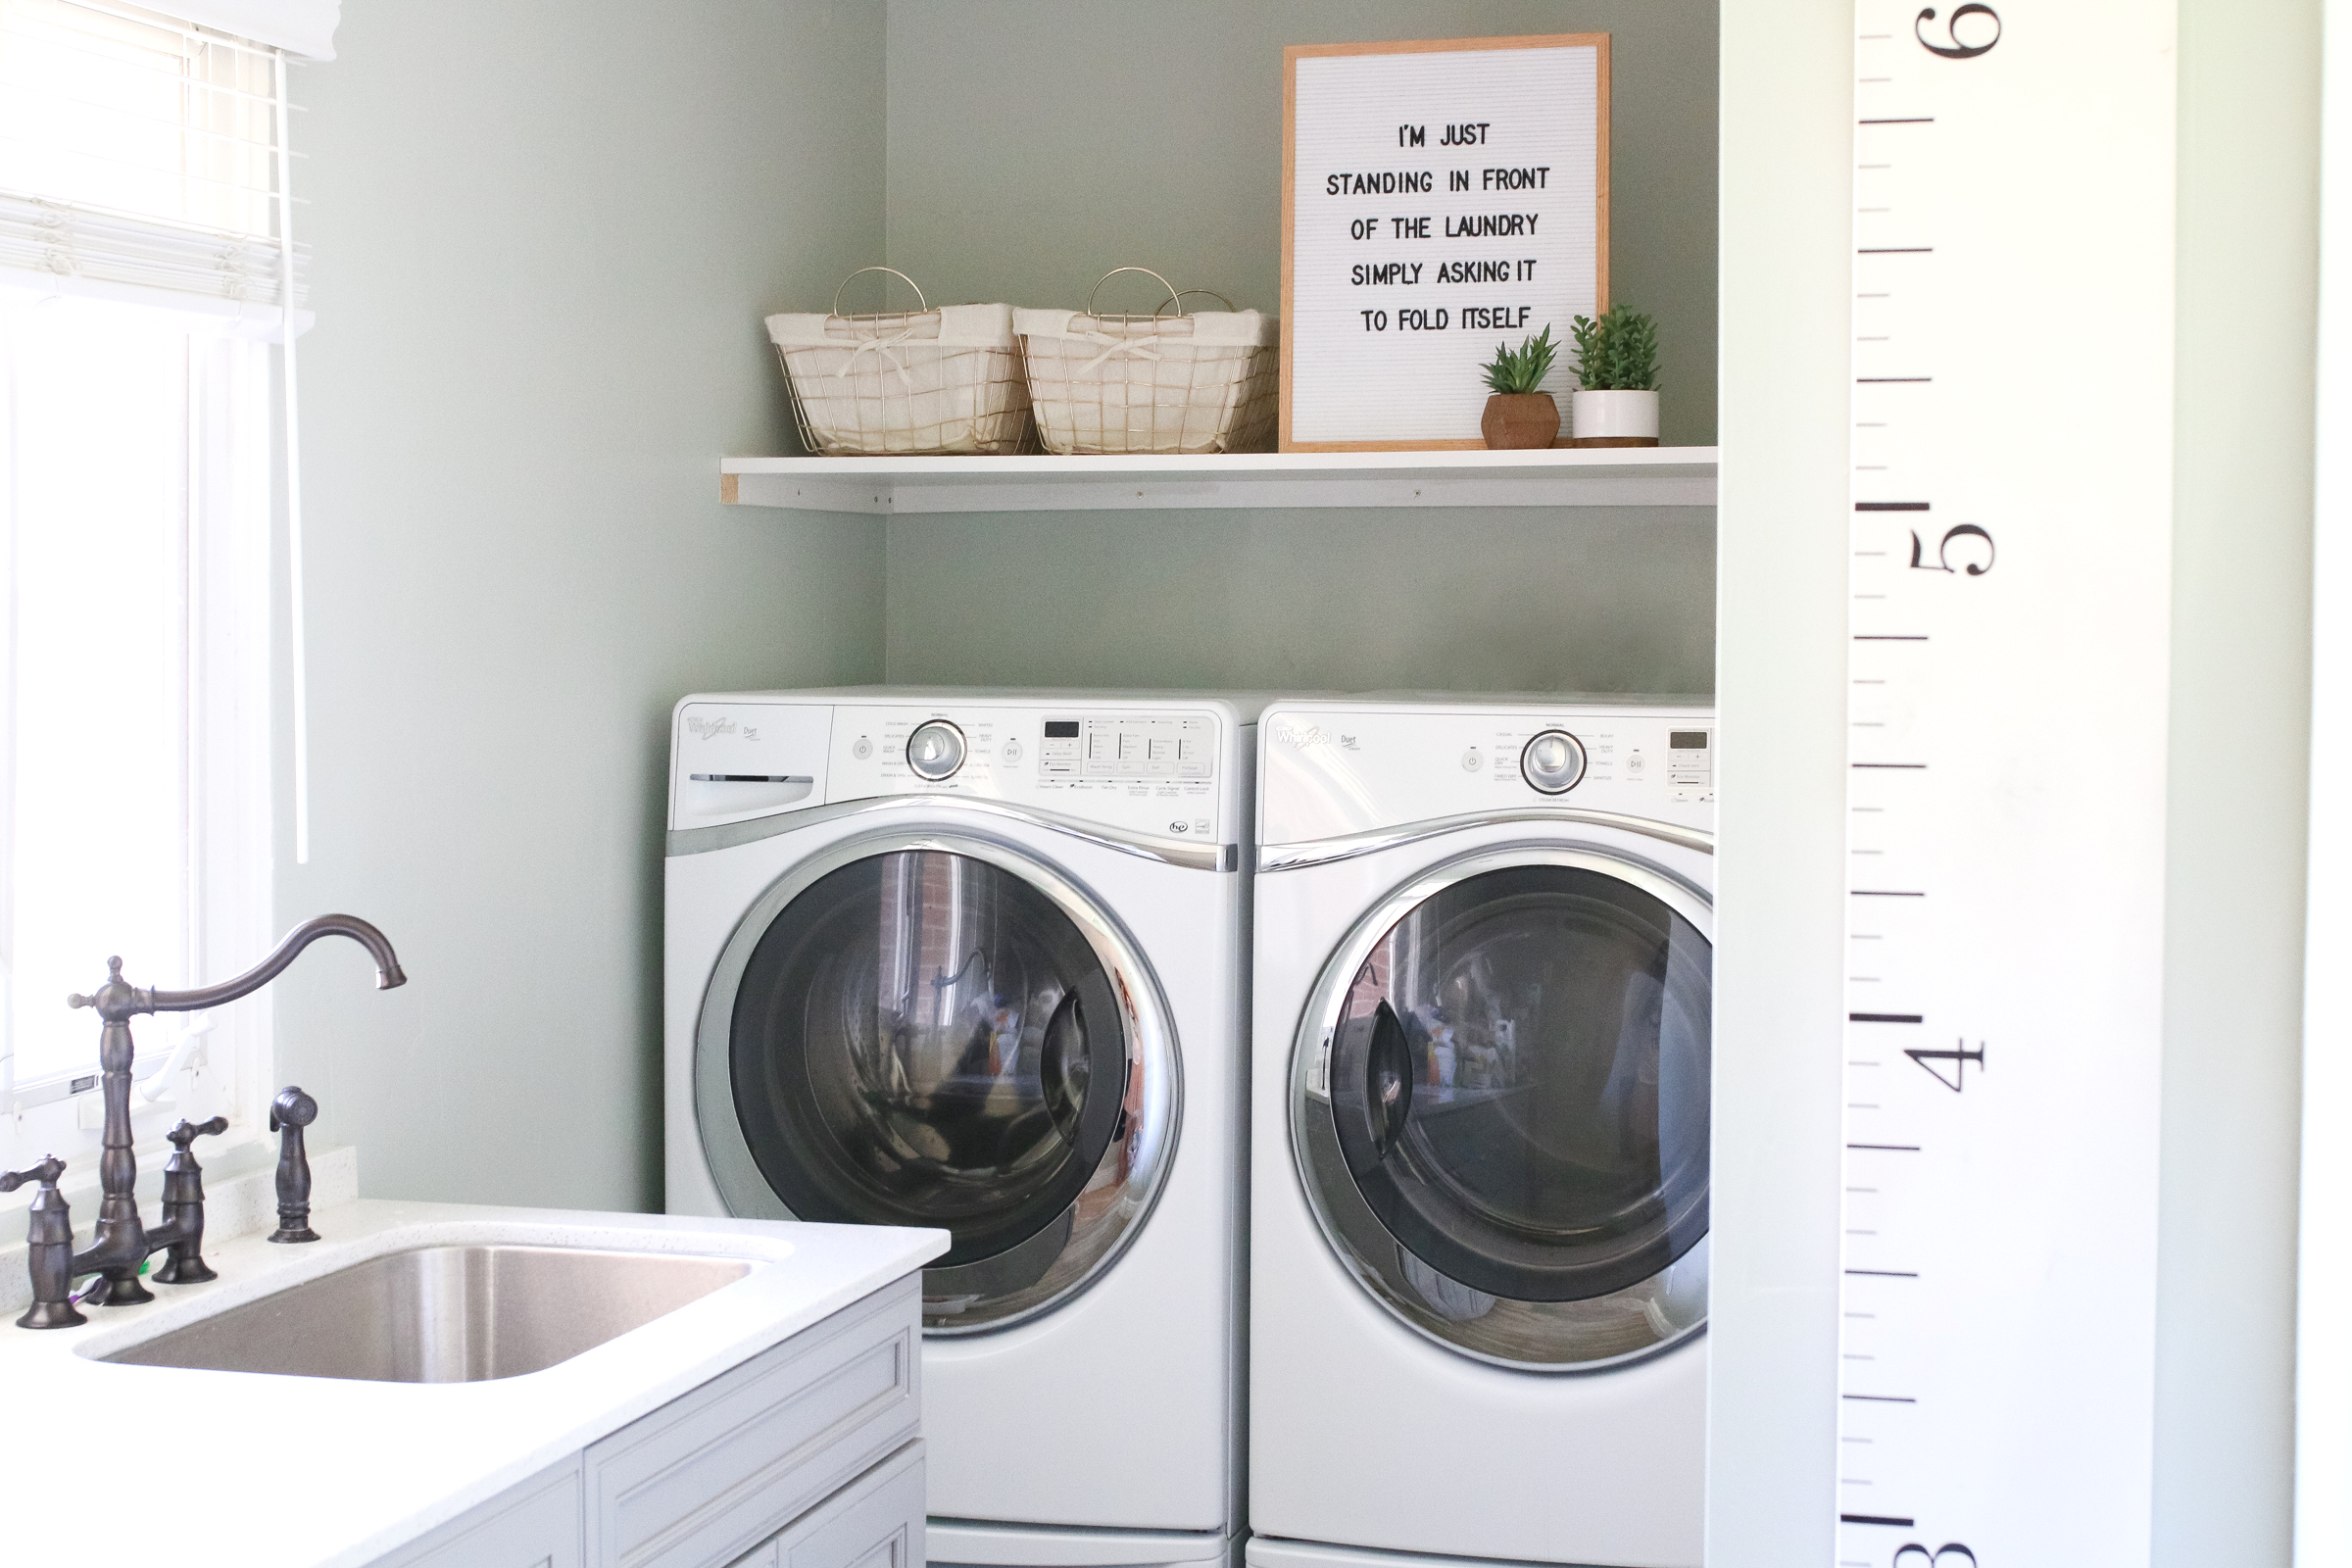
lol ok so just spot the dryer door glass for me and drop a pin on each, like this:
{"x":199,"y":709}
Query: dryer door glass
{"x":924,"y":1038}
{"x":1511,"y":1144}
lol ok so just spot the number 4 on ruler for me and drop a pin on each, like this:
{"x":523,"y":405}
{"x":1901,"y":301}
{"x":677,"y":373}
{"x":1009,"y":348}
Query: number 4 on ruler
{"x":1952,"y":1077}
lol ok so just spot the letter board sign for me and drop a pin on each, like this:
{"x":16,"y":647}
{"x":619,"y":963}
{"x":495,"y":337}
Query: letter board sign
{"x":1439,"y":198}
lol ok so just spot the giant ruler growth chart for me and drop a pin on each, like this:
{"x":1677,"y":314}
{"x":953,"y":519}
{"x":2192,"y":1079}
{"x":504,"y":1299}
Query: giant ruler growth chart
{"x":2009,"y":618}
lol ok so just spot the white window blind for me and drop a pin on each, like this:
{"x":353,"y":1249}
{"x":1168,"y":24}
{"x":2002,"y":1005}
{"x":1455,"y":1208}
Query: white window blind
{"x":145,"y":217}
{"x":141,"y":160}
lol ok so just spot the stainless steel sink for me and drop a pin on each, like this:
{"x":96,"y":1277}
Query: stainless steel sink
{"x":443,"y":1314}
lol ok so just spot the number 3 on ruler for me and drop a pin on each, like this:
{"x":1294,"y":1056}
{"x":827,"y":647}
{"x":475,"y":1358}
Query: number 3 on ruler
{"x":1915,"y":1555}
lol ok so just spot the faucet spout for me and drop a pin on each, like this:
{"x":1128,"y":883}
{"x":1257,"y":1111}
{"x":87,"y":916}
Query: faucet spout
{"x":388,"y":972}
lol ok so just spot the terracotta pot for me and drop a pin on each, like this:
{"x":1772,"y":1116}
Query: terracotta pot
{"x":1516,"y":420}
{"x":1614,"y":419}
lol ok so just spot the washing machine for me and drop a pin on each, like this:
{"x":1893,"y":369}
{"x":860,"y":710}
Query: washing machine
{"x":975,"y":960}
{"x":1479,"y":1211}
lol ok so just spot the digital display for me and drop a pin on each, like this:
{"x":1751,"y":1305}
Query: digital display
{"x":1687,"y":739}
{"x":1062,"y":729}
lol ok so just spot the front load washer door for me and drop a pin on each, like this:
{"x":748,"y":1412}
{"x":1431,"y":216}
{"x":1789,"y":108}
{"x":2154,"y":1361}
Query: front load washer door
{"x":1499,"y":1106}
{"x":941,"y":1032}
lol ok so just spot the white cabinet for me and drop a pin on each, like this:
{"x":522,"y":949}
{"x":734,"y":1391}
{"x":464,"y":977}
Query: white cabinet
{"x":702,"y":1479}
{"x":874,"y":1522}
{"x":534,"y":1525}
{"x":805,"y":1456}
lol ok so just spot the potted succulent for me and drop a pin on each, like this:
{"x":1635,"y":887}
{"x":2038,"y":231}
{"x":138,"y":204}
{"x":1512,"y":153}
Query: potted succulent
{"x":1518,"y":416}
{"x":1617,"y":371}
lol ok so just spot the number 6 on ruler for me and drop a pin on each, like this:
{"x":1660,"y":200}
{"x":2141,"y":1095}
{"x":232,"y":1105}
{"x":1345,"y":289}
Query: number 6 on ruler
{"x":1956,"y":50}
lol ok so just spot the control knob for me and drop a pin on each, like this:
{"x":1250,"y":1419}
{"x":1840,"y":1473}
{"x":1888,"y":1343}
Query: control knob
{"x":1553,"y":761}
{"x":935,"y":751}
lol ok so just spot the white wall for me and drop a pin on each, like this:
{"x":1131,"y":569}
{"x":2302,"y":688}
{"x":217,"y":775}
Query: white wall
{"x":2323,"y":1278}
{"x":544,"y":236}
{"x":2248,"y":143}
{"x":1787,"y":85}
{"x":2239,"y":785}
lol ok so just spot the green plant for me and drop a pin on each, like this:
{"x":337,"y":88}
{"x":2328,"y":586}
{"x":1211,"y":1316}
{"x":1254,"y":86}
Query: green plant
{"x":1522,"y":368}
{"x":1618,"y":353}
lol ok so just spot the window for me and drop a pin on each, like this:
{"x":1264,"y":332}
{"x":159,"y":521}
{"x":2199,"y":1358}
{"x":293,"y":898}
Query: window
{"x":143,"y":274}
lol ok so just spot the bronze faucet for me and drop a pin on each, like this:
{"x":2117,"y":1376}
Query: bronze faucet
{"x":120,"y":1244}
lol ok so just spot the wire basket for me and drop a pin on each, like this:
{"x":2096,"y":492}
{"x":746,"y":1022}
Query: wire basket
{"x":1203,"y":382}
{"x":926,"y":381}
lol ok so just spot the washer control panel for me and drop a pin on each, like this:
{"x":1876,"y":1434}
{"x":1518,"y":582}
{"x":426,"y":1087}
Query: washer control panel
{"x":1127,"y":746}
{"x":1155,"y":769}
{"x":1328,"y":770}
{"x":1691,"y":764}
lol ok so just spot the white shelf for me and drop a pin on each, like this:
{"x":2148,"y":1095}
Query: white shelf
{"x":1609,"y":477}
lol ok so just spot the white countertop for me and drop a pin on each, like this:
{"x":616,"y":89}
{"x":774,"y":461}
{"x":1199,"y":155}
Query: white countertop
{"x":203,"y":1468}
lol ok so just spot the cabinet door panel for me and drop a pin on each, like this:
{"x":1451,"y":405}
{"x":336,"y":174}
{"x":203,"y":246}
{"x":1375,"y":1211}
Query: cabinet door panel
{"x":535,"y":1523}
{"x":874,"y":1522}
{"x":697,"y":1482}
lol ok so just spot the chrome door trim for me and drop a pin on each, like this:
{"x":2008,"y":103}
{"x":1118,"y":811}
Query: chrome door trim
{"x":1666,"y":1299}
{"x":744,"y":1188}
{"x":1168,"y":852}
{"x":1321,"y":852}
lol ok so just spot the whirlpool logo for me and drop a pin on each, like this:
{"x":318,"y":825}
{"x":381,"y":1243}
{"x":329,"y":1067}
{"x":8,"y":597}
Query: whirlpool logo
{"x":705,"y":728}
{"x":1304,"y":735}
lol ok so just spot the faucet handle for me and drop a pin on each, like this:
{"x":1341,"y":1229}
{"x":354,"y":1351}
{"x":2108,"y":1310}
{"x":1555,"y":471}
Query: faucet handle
{"x":46,"y":1173}
{"x":187,"y":1131}
{"x":183,"y":1205}
{"x":117,"y":1000}
{"x":49,"y":1248}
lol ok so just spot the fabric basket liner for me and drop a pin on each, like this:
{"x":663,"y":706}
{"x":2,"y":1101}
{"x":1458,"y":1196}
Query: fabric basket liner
{"x":1150,"y":384}
{"x":947,"y":380}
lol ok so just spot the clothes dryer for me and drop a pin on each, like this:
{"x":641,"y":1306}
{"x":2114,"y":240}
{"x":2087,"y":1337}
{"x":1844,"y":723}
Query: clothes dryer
{"x":1479,"y":1255}
{"x":975,"y":961}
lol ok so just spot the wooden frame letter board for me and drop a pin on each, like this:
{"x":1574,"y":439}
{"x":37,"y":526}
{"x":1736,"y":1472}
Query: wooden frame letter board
{"x":1439,"y":198}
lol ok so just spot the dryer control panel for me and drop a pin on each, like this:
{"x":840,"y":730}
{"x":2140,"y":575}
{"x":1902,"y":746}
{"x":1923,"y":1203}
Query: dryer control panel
{"x":1155,"y":769}
{"x":1331,"y":769}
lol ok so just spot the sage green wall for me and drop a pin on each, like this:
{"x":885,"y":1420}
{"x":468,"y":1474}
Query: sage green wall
{"x":1570,"y":599}
{"x":544,"y":233}
{"x":1034,"y":144}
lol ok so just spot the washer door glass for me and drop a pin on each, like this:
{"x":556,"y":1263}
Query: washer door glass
{"x":925,"y":1038}
{"x":1504,"y":1121}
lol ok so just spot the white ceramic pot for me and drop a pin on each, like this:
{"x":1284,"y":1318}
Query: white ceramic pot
{"x":1613,"y":419}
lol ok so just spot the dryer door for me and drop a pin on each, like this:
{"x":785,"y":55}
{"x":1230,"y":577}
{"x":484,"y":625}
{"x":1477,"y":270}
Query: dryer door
{"x":941,"y":1031}
{"x":1499,"y":1106}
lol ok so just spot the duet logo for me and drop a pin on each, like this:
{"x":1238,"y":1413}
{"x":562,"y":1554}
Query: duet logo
{"x":1304,"y":735}
{"x":705,"y":728}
